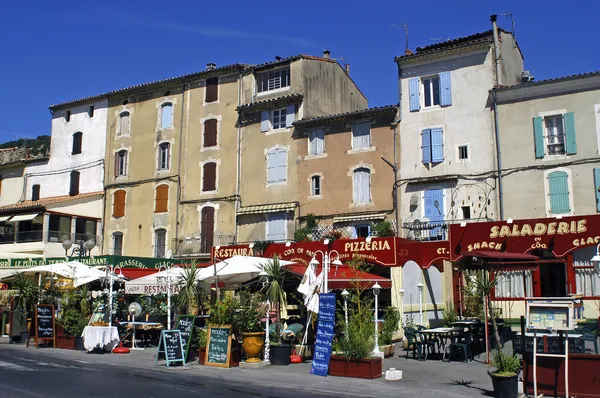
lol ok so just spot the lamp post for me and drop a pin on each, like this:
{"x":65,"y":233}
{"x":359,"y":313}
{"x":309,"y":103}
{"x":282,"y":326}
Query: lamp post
{"x":401,"y":291}
{"x":345,"y":295}
{"x":264,"y":280}
{"x":81,"y":247}
{"x":596,"y":259}
{"x":167,"y":280}
{"x":376,"y":290}
{"x":326,"y":265}
{"x":420,"y":287}
{"x":109,"y":278}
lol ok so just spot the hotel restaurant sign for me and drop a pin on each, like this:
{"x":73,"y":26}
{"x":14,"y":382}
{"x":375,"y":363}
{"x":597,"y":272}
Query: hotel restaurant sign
{"x":561,"y":236}
{"x":117,"y":261}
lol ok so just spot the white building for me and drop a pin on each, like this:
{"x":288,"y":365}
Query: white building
{"x":62,"y":199}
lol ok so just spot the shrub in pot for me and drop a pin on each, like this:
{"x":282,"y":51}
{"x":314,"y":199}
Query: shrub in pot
{"x":389,"y":327}
{"x":200,"y":343}
{"x":505,"y":377}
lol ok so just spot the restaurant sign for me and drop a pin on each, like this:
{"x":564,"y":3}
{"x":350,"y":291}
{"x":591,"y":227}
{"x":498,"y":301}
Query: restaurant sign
{"x":117,"y":261}
{"x":560,"y":236}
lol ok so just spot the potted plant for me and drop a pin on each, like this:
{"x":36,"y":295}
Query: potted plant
{"x":274,"y":281}
{"x":248,"y":324}
{"x":72,"y":324}
{"x":200,"y":342}
{"x":27,"y":295}
{"x":389,"y":327}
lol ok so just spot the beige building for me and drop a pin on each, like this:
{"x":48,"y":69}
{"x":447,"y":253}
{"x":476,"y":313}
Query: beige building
{"x":343,"y":178}
{"x":275,"y":95}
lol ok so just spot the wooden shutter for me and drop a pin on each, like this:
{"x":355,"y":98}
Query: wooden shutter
{"x":35,"y":192}
{"x":212,"y":89}
{"x":558,"y":184}
{"x":77,"y":141}
{"x":426,"y":146}
{"x":119,"y":203}
{"x":437,"y":145}
{"x":74,"y":189}
{"x":538,"y":137}
{"x":209,"y":180}
{"x":207,"y":228}
{"x":445,"y":89}
{"x":413,"y":90}
{"x":124,"y":124}
{"x":210,"y":132}
{"x":167,"y":116}
{"x":162,"y":199}
{"x":265,"y":123}
{"x":570,"y":141}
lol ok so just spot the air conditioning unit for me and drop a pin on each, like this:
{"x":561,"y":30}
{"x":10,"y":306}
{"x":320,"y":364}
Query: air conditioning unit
{"x":526,"y":77}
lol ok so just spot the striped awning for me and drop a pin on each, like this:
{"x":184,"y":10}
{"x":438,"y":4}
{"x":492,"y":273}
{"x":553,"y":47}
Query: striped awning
{"x":261,"y":209}
{"x":5,"y":218}
{"x":24,"y":217}
{"x":360,"y":217}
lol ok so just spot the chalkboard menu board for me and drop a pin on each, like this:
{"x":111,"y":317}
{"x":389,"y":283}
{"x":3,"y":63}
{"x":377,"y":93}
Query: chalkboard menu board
{"x":218,"y":346}
{"x":185,"y":325}
{"x":171,"y":346}
{"x":325,"y":329}
{"x":44,"y":323}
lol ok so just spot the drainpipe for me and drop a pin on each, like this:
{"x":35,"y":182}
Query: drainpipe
{"x":498,"y":159}
{"x":179,"y":164}
{"x":396,"y":134}
{"x":239,"y":159}
{"x":496,"y":47}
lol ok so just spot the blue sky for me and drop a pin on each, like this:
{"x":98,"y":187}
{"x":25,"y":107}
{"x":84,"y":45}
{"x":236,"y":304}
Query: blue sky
{"x":55,"y":51}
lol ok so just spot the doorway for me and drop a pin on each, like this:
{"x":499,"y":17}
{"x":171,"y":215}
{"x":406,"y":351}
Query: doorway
{"x":553,"y":280}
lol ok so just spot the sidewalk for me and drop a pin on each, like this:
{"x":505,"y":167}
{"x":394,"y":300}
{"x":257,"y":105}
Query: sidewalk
{"x":432,"y":378}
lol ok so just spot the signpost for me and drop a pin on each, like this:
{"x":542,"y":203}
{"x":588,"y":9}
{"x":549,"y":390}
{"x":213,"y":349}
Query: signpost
{"x":185,"y":325}
{"x":325,"y":331}
{"x":44,"y":324}
{"x":218,"y":346}
{"x":171,"y":346}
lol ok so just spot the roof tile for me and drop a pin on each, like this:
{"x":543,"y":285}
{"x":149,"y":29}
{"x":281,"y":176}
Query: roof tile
{"x":27,"y":204}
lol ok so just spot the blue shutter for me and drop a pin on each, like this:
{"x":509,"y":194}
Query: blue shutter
{"x":290,"y":115}
{"x":167,"y":116}
{"x":320,"y":142}
{"x":437,"y":145}
{"x":264,"y":121}
{"x":597,"y":187}
{"x":570,"y":141}
{"x":558,"y":183}
{"x":426,"y":146}
{"x":445,"y":89}
{"x":276,"y":227}
{"x":271,"y":167}
{"x":435,"y":214}
{"x":413,"y":89}
{"x":281,"y":166}
{"x":538,"y":137}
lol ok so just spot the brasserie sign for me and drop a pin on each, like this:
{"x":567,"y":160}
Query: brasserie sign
{"x":120,"y":261}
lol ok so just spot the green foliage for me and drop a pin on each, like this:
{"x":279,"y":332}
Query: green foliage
{"x":37,"y":146}
{"x":390,"y":325}
{"x":243,"y":312}
{"x":472,"y":298}
{"x":190,"y":294}
{"x":261,"y":245}
{"x":154,"y":305}
{"x":302,"y":235}
{"x":273,"y":288}
{"x":360,"y":340}
{"x":506,"y":364}
{"x":199,"y":338}
{"x":311,"y":221}
{"x":28,"y":292}
{"x":449,"y":314}
{"x":72,"y":321}
{"x":383,"y":228}
{"x":409,"y":322}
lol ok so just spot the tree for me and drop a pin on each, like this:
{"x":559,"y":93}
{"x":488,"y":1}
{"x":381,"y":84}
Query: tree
{"x":188,"y":296}
{"x":273,"y":288}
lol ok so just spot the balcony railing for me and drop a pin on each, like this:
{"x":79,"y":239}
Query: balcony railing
{"x":29,"y":236}
{"x":432,"y":230}
{"x":61,"y":236}
{"x":193,"y":246}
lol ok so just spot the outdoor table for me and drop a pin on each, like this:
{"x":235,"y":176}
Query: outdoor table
{"x":467,"y":322}
{"x":143,"y":325}
{"x":105,"y":337}
{"x":443,"y":335}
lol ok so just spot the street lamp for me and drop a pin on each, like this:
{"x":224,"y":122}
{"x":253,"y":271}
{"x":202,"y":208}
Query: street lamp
{"x":401,"y":291}
{"x":167,"y":280}
{"x":326,"y":265}
{"x":596,"y":259}
{"x":120,"y":278}
{"x":376,"y":290}
{"x":420,"y":286}
{"x":81,"y":247}
{"x":345,"y":295}
{"x":264,"y":279}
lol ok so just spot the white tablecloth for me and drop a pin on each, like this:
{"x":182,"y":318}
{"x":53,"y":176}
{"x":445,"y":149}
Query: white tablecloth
{"x":106,"y":337}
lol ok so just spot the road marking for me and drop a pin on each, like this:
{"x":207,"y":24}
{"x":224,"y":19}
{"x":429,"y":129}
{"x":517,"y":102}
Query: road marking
{"x":13,"y":366}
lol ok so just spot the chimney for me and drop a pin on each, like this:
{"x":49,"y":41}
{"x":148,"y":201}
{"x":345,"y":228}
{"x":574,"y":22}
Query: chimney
{"x":277,"y":58}
{"x":326,"y":54}
{"x":211,"y":66}
{"x":347,"y":66}
{"x":408,"y":52}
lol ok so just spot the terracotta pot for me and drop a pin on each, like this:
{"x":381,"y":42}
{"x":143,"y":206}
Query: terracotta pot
{"x":201,"y":355}
{"x":65,"y":341}
{"x":253,"y":344}
{"x":368,"y":368}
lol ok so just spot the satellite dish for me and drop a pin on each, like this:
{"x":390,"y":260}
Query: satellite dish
{"x":169,"y":253}
{"x":135,"y":309}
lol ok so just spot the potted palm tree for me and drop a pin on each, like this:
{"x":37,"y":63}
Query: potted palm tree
{"x":27,"y":295}
{"x":275,"y":275}
{"x":188,"y":297}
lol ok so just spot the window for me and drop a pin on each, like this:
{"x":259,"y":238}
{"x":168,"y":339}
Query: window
{"x":273,"y":80}
{"x":166,"y":116}
{"x":361,"y":135}
{"x":277,"y":166}
{"x":431,"y":91}
{"x":514,"y":284}
{"x":85,"y":229}
{"x":554,"y":135}
{"x":558,"y":191}
{"x":160,"y":243}
{"x":432,"y":146}
{"x":315,"y":186}
{"x":123,"y":124}
{"x":164,"y":154}
{"x":59,"y":228}
{"x":553,"y":280}
{"x":119,"y":203}
{"x":278,"y":119}
{"x":463,"y":152}
{"x":362,"y":186}
{"x":434,"y":90}
{"x":588,"y":281}
{"x":212,"y":89}
{"x":74,"y":186}
{"x":121,"y":163}
{"x":117,"y":244}
{"x":67,"y":116}
{"x":210,"y":133}
{"x":207,"y":227}
{"x":466,"y":212}
{"x":91,"y":111}
{"x":162,"y":199}
{"x":209,"y":177}
{"x":77,"y":141}
{"x":35,"y":192}
{"x":276,"y":227}
{"x":316,"y":141}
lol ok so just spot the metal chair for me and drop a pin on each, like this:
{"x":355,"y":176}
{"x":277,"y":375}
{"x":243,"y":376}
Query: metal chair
{"x":463,"y":343}
{"x":416,"y":344}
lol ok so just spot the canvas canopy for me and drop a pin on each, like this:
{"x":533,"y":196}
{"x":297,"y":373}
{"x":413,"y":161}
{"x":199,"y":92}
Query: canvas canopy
{"x":78,"y":272}
{"x":237,"y":269}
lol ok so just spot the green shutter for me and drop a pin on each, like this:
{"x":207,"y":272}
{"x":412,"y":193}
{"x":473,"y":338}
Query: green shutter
{"x":558,"y":184}
{"x":597,"y":187}
{"x":570,"y":140}
{"x":538,"y":137}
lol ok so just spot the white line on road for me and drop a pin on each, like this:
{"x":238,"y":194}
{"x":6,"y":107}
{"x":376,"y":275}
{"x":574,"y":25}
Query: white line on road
{"x":13,"y":366}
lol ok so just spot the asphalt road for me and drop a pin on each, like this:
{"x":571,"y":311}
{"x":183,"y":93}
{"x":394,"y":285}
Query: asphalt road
{"x":32,"y":375}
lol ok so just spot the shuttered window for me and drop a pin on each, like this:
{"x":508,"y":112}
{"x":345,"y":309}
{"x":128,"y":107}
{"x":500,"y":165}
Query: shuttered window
{"x":164,"y":156}
{"x":212,"y":89}
{"x":166,"y":116}
{"x":316,"y":139}
{"x":121,"y":163}
{"x":74,"y":187}
{"x":445,"y":89}
{"x":434,"y":211}
{"x":77,"y":141}
{"x":162,"y":199}
{"x":414,"y":94}
{"x":119,"y":203}
{"x":210,"y":133}
{"x":361,"y":135}
{"x":432,"y":145}
{"x":362,"y":186}
{"x":117,"y":244}
{"x":558,"y":186}
{"x":276,"y":227}
{"x":209,"y":177}
{"x":160,"y":243}
{"x":431,"y":91}
{"x":123,"y":124}
{"x":207,"y":228}
{"x":276,"y":166}
{"x":278,"y":120}
{"x":554,"y":135}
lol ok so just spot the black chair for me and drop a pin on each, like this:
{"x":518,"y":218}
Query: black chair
{"x":463,"y":342}
{"x":416,"y":344}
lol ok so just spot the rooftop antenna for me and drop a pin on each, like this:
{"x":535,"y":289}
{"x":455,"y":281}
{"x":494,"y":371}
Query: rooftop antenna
{"x":509,"y":15}
{"x":440,"y":39}
{"x":405,"y":26}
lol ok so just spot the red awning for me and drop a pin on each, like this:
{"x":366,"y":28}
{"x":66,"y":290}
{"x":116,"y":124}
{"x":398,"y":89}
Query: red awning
{"x":500,"y":256}
{"x":134,"y":273}
{"x":345,"y":277}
